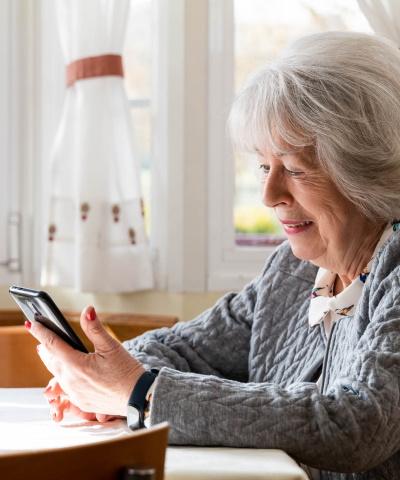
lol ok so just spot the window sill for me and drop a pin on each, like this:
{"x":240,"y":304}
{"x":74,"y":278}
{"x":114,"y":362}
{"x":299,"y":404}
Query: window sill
{"x":258,"y":240}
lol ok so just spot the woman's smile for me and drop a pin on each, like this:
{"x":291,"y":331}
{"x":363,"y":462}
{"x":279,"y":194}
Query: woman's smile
{"x":293,"y":227}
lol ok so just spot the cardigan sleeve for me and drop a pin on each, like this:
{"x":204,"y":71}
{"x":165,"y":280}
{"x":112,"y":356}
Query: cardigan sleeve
{"x":216,"y":342}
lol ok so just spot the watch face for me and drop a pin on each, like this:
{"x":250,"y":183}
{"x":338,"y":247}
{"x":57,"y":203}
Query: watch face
{"x":132,"y":418}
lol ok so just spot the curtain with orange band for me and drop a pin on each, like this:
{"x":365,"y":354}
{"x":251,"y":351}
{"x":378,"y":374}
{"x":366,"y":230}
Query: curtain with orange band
{"x":96,"y":240}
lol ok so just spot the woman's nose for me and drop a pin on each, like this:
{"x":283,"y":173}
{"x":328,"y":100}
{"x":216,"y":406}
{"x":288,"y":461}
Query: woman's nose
{"x":275,"y":190}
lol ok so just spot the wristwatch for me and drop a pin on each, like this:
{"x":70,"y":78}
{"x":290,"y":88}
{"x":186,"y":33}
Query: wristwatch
{"x":139,"y":399}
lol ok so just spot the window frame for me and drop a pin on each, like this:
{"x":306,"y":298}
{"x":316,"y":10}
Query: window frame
{"x":179,"y":169}
{"x":193,"y":166}
{"x":5,"y":134}
{"x":18,"y":117}
{"x":230,"y":266}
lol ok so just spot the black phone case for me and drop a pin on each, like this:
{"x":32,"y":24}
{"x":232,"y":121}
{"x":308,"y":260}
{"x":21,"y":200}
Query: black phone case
{"x":38,"y":306}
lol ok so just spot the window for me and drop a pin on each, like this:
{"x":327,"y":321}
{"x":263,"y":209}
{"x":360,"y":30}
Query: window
{"x":5,"y":147}
{"x":261,"y":31}
{"x":15,"y":142}
{"x":244,"y":36}
{"x":138,"y":55}
{"x":183,"y":63}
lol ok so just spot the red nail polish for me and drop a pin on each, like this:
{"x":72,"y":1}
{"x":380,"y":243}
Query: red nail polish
{"x":91,"y":314}
{"x":28,"y":324}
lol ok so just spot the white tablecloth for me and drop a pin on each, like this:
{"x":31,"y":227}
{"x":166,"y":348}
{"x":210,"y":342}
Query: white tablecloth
{"x":25,"y":425}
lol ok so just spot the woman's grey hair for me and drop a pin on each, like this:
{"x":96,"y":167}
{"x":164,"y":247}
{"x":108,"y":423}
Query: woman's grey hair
{"x":338,"y":92}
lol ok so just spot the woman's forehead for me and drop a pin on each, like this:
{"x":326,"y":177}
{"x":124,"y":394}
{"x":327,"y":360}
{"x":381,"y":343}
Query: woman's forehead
{"x":305,"y":154}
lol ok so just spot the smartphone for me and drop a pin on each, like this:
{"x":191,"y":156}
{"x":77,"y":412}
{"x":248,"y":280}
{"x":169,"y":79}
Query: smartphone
{"x":36,"y":303}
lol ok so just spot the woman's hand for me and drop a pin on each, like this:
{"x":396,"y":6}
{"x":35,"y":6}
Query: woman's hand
{"x":98,"y":382}
{"x":61,"y":404}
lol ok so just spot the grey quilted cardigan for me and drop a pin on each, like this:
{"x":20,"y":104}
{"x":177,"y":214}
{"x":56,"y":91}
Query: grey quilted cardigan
{"x":242,"y":373}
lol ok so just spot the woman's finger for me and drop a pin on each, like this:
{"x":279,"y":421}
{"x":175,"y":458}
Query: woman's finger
{"x":53,"y":389}
{"x":49,"y":360}
{"x":96,"y":333}
{"x":60,"y":404}
{"x":58,"y":409}
{"x":53,"y":343}
{"x":74,"y":410}
{"x":103,"y":418}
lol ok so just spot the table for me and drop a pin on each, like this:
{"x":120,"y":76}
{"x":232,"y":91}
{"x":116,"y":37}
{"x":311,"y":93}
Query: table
{"x":25,"y":425}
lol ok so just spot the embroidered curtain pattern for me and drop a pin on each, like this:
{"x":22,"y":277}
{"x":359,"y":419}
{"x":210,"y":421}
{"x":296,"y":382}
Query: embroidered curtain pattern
{"x":96,"y":237}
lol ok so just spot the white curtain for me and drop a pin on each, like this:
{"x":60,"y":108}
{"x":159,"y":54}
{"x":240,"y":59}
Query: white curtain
{"x":384,"y":17}
{"x":96,"y":237}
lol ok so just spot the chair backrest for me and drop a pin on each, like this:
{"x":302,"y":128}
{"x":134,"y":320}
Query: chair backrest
{"x":22,"y":367}
{"x":20,"y":364}
{"x":126,"y":325}
{"x":97,"y":461}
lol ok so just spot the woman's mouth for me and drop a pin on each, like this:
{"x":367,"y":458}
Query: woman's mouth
{"x":293,"y":227}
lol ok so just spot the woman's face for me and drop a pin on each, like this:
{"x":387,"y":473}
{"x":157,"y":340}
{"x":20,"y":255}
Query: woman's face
{"x":320,"y":223}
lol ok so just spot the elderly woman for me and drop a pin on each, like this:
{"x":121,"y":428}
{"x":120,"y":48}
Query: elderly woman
{"x":306,"y":358}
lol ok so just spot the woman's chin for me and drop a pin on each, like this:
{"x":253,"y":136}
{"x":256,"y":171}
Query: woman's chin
{"x":302,"y":250}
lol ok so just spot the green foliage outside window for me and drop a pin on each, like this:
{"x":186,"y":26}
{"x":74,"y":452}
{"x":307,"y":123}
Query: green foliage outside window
{"x":255,"y":219}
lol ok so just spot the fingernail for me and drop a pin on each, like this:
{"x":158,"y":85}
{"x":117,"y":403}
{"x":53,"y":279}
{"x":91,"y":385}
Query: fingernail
{"x":38,"y":348}
{"x":28,"y":324}
{"x":91,"y":314}
{"x":48,"y":386}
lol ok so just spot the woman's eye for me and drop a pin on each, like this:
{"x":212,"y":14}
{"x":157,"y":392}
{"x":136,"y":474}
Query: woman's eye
{"x":264,"y":169}
{"x":293,"y":173}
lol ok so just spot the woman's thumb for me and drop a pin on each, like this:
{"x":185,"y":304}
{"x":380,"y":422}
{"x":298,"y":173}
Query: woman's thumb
{"x":95,"y":331}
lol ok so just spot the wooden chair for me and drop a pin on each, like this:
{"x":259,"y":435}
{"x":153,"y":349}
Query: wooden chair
{"x":20,"y":365}
{"x":97,"y":461}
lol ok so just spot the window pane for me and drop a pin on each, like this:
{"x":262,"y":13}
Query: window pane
{"x":138,"y":49}
{"x":138,"y":54}
{"x":262,"y":29}
{"x":254,"y":223}
{"x":141,"y":122}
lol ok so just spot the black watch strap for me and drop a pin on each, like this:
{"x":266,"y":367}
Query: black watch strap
{"x":138,"y":399}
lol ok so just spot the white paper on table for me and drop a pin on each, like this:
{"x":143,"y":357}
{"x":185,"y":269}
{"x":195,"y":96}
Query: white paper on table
{"x":25,"y":424}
